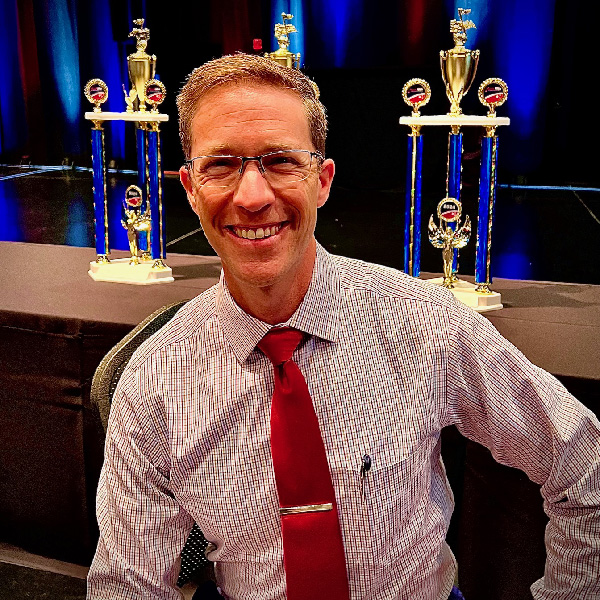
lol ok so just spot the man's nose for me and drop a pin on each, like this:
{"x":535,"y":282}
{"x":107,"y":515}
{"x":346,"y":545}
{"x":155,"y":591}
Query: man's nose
{"x":253,"y":191}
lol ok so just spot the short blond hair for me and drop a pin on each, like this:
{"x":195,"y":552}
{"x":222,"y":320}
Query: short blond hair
{"x":247,"y":68}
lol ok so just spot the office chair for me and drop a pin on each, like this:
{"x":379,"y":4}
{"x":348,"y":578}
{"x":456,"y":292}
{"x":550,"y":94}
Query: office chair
{"x":194,"y":564}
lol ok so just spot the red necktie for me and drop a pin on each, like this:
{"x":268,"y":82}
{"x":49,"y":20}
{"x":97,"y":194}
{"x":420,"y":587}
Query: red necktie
{"x":313,"y":552}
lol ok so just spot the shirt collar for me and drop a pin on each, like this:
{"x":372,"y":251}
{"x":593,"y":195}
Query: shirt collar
{"x":318,"y":313}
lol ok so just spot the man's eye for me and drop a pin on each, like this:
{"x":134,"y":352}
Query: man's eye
{"x":220,"y":165}
{"x":281,"y":160}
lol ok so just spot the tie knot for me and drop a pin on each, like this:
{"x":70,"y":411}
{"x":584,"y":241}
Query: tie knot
{"x":279,"y":344}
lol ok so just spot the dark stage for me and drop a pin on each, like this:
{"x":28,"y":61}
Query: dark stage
{"x":543,"y":235}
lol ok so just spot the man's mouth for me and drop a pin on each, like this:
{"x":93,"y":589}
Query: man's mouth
{"x":255,"y":233}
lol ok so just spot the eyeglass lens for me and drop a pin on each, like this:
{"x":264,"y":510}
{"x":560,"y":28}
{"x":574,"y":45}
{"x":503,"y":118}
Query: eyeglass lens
{"x":279,"y":168}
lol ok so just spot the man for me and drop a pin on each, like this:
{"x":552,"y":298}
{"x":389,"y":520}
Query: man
{"x":388,"y":362}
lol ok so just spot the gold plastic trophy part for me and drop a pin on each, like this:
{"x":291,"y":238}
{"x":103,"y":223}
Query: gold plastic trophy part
{"x":458,"y":65}
{"x":282,"y":55}
{"x":141,"y":67}
{"x":449,"y":210}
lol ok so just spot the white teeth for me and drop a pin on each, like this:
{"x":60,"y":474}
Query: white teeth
{"x":256,"y":234}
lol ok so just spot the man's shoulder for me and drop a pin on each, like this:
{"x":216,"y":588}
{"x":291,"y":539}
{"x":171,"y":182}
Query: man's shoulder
{"x":187,"y":325}
{"x":361,"y":277}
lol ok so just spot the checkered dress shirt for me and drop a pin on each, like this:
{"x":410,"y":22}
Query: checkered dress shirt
{"x":390,"y":361}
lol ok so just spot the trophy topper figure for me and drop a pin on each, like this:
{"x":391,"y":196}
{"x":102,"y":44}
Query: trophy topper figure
{"x":458,"y":29}
{"x":448,"y":239}
{"x":142,"y":35}
{"x":282,"y":55}
{"x":134,"y":220}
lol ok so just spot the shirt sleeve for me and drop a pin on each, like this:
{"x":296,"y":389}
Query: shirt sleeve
{"x":528,"y":420}
{"x":142,"y":527}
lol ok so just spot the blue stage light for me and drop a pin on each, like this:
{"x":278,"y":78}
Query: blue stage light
{"x":10,"y":228}
{"x":78,"y":232}
{"x":62,"y":39}
{"x":522,"y":52}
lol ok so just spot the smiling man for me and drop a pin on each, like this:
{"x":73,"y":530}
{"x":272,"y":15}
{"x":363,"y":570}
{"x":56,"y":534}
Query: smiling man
{"x":293,"y":411}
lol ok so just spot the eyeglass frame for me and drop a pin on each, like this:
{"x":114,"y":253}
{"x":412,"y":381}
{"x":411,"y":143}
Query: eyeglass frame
{"x":313,"y":153}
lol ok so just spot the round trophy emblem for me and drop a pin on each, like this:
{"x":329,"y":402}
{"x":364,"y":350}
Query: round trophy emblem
{"x":155,"y":92}
{"x":96,"y":91}
{"x":449,"y":210}
{"x":133,"y":196}
{"x":493,"y":92}
{"x":416,"y":93}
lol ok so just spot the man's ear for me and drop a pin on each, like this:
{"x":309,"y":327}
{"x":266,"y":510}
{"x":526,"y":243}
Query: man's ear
{"x":325,"y":180}
{"x":186,"y":182}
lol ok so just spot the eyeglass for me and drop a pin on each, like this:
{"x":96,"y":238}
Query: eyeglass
{"x":279,"y":168}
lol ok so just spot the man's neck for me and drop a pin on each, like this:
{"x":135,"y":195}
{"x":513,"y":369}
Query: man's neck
{"x":275,"y":303}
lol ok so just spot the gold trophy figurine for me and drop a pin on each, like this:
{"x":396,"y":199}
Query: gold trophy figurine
{"x":135,"y":221}
{"x":459,"y":65}
{"x":449,"y":211}
{"x":141,"y":67}
{"x":282,"y":55}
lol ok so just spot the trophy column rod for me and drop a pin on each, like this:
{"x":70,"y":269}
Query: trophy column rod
{"x":140,"y":138}
{"x":487,"y":198}
{"x":412,"y":220}
{"x":453,"y":177}
{"x":99,"y":193}
{"x":157,"y":232}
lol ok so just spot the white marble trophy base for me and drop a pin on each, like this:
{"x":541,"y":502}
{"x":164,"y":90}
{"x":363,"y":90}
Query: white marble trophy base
{"x":120,"y":271}
{"x":465,"y":292}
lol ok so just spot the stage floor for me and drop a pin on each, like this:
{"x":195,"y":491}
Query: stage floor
{"x":543,"y":235}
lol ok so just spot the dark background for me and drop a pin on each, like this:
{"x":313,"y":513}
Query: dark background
{"x":360,"y":54}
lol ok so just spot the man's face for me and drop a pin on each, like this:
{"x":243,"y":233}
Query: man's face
{"x":248,"y":121}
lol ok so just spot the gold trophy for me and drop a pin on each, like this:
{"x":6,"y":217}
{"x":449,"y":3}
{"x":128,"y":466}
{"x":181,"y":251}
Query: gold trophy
{"x":155,"y":93}
{"x":493,"y":92}
{"x":141,"y":67}
{"x":135,"y":221}
{"x":282,"y":55}
{"x":416,"y":93}
{"x":449,"y":210}
{"x":96,"y":91}
{"x":459,"y":65}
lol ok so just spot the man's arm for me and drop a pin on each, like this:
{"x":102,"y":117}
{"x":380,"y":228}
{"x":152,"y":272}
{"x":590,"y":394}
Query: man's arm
{"x":142,"y":527}
{"x":528,"y":420}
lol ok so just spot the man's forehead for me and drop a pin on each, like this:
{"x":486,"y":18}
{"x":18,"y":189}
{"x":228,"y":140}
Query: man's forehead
{"x":268,"y":110}
{"x":239,"y":90}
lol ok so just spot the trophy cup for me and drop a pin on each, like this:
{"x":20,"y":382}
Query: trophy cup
{"x":449,"y":238}
{"x":459,"y":65}
{"x":141,"y":67}
{"x":135,"y":220}
{"x":282,"y":55}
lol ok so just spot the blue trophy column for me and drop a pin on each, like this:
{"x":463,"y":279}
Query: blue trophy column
{"x":99,"y":193}
{"x":453,"y":183}
{"x":140,"y":138}
{"x":157,"y":232}
{"x":487,"y":198}
{"x":412,"y":211}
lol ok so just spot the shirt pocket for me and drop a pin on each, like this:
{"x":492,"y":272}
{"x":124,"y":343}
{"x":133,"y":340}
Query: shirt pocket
{"x":383,"y":510}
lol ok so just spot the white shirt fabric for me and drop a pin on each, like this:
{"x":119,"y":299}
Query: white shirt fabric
{"x":390,"y":361}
